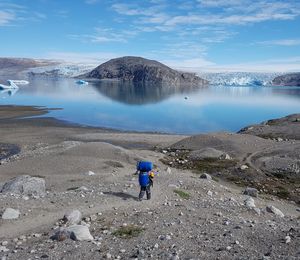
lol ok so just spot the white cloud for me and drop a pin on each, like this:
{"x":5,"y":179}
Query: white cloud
{"x":6,"y":18}
{"x":90,"y":2}
{"x":105,"y":35}
{"x":272,"y":65}
{"x":88,"y":58}
{"x":282,"y":42}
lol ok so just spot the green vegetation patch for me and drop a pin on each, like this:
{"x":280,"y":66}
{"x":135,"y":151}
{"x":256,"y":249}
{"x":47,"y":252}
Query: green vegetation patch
{"x":211,"y":165}
{"x":128,"y":231}
{"x":282,"y":192}
{"x":182,"y":194}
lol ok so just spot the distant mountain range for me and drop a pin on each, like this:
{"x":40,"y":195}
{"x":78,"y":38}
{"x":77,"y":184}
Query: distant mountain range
{"x":137,"y":69}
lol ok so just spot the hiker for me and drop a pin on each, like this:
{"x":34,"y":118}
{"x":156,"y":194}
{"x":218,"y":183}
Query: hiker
{"x":146,"y":175}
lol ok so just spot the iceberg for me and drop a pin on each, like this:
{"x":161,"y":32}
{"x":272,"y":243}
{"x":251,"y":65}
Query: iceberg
{"x":12,"y":84}
{"x":82,"y":82}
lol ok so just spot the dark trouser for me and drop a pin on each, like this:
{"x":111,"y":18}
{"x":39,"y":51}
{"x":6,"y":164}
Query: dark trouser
{"x":143,"y":190}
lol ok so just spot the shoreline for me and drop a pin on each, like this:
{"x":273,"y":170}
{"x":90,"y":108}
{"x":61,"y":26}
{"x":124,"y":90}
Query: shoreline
{"x":91,"y":170}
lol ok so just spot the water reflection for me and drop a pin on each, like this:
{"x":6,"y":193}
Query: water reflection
{"x":139,"y":107}
{"x":140,"y":93}
{"x":8,"y":92}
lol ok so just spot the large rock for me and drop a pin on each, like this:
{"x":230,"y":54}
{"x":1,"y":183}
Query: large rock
{"x":250,"y":192}
{"x":275,"y":211}
{"x":10,"y":213}
{"x":73,"y":217}
{"x":208,"y":153}
{"x":137,"y":69}
{"x":292,"y":79}
{"x":249,"y":203}
{"x":80,"y":233}
{"x":61,"y":235}
{"x":25,"y":185}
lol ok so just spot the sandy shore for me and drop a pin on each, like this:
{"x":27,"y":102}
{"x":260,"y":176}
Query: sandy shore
{"x":210,"y":223}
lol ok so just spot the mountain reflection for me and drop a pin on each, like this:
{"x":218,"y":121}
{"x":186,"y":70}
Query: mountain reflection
{"x":140,"y":93}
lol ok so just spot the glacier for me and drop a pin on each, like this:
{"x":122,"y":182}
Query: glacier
{"x":61,"y":70}
{"x":239,"y":78}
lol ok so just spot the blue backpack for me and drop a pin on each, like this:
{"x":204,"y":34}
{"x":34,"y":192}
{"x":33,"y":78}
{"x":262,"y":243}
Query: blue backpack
{"x":144,"y":179}
{"x":144,"y":168}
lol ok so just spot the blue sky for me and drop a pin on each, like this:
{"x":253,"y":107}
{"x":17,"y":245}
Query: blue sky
{"x":192,"y":34}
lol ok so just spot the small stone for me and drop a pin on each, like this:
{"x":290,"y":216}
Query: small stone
{"x":25,"y":198}
{"x":3,"y":249}
{"x":4,"y":243}
{"x":168,"y":170}
{"x":93,"y":217}
{"x":108,"y":256}
{"x":287,"y":239}
{"x":257,"y":210}
{"x":122,"y":251}
{"x":90,"y":173}
{"x":10,"y":213}
{"x":209,"y":193}
{"x":228,"y":248}
{"x":244,"y":167}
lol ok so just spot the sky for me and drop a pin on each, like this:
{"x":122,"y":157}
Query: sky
{"x":196,"y":35}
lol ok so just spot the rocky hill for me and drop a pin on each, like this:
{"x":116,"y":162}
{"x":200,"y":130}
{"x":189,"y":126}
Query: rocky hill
{"x":138,"y":69}
{"x":292,"y":79}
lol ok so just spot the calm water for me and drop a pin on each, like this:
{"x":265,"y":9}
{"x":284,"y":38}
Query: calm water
{"x":154,"y":108}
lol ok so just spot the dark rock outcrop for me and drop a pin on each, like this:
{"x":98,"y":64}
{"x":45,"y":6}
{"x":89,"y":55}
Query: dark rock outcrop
{"x":292,"y":79}
{"x":137,"y":69}
{"x":283,"y":128}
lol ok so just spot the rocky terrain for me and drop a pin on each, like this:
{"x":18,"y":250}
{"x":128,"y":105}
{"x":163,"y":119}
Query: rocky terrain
{"x":137,"y":69}
{"x":292,"y":79}
{"x":69,"y":192}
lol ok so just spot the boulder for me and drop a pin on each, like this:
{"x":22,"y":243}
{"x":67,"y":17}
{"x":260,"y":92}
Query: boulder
{"x":25,"y":185}
{"x":251,"y":192}
{"x":10,"y":213}
{"x":275,"y":211}
{"x":73,"y":217}
{"x":80,"y":233}
{"x":208,"y":153}
{"x":205,"y":176}
{"x":61,"y":235}
{"x":249,"y":203}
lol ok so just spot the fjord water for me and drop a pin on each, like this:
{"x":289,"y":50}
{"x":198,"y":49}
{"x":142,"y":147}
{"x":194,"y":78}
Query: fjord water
{"x":183,"y":110}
